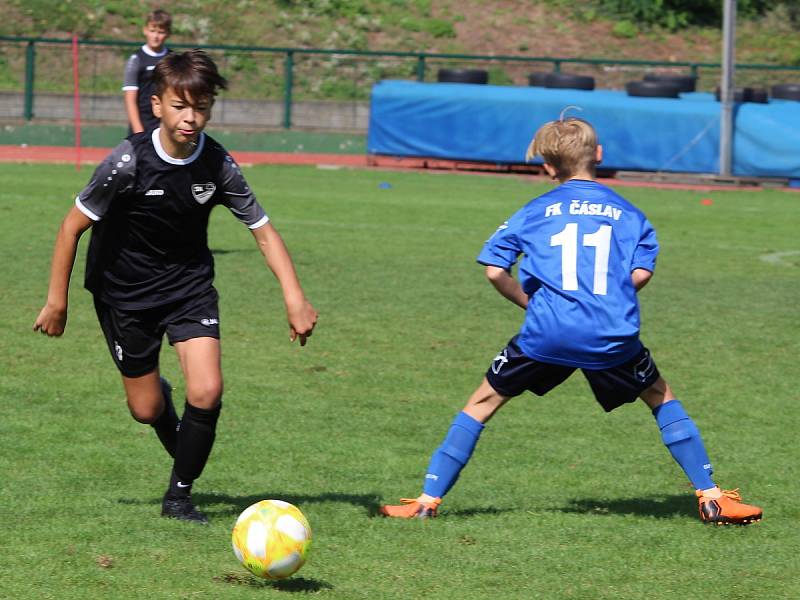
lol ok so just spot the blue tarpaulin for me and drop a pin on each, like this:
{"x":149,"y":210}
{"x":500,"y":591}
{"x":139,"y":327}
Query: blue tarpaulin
{"x":495,"y":124}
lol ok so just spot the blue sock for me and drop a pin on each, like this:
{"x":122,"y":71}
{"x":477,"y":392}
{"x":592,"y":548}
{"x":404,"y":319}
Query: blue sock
{"x":449,"y":458}
{"x":682,"y":439}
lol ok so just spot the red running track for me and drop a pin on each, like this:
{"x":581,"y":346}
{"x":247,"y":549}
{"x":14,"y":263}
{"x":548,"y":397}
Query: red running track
{"x":92,"y":156}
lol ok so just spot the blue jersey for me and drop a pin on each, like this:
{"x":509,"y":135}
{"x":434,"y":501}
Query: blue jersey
{"x":578,"y":245}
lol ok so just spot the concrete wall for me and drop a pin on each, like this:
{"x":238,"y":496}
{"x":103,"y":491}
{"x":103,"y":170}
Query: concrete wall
{"x":341,"y":116}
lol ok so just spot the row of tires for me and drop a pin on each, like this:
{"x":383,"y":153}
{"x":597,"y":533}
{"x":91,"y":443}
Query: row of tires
{"x":653,"y":85}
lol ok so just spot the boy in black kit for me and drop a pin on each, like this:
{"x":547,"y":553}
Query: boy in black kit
{"x":151,"y":271}
{"x":137,"y":83}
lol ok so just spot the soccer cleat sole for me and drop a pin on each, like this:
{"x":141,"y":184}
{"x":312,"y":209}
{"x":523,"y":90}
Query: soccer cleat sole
{"x":711,"y":512}
{"x":739,"y":522}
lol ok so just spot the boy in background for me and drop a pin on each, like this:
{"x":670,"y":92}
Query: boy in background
{"x":585,"y":252}
{"x":137,"y":81}
{"x":151,"y":272}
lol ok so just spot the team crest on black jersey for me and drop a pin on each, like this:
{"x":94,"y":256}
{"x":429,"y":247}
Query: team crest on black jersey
{"x":203,"y":191}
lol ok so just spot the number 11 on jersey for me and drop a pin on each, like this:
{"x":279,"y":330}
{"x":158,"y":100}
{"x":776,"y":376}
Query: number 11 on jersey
{"x":567,"y":238}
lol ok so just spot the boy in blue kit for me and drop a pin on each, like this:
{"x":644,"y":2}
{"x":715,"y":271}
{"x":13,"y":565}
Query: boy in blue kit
{"x":151,"y":272}
{"x":585,"y":252}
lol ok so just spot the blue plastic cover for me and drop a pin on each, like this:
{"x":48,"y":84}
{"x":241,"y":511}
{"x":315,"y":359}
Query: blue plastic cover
{"x":496,"y":123}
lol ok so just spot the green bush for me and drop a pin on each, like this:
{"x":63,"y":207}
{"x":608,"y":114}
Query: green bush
{"x":677,"y":14}
{"x":423,"y":7}
{"x":625,"y":29}
{"x":336,"y":8}
{"x":497,"y":76}
{"x":9,"y":79}
{"x":83,"y":17}
{"x":439,"y":28}
{"x":411,"y":24}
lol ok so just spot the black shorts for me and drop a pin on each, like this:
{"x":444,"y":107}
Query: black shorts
{"x":134,"y":336}
{"x":512,"y":373}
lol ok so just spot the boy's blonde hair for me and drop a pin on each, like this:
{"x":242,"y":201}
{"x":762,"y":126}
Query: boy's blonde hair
{"x":568,"y":145}
{"x":159,"y":18}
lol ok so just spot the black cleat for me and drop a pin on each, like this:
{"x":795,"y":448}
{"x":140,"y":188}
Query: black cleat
{"x":181,"y":508}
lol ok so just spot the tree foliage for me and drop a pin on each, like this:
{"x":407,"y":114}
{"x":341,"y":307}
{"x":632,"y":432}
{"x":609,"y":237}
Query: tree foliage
{"x":676,"y":14}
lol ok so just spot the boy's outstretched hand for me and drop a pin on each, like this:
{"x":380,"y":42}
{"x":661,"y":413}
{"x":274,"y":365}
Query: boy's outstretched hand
{"x":51,"y":321}
{"x":302,"y":318}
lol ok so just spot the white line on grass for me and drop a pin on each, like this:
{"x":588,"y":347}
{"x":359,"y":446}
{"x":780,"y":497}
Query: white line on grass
{"x":777,"y":258}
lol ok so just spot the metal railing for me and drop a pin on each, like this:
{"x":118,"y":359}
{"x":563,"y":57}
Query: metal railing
{"x":421,"y":63}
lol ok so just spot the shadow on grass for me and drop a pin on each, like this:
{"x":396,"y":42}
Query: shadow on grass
{"x":212,"y":503}
{"x":236,"y":504}
{"x":463,"y":513}
{"x":222,"y":251}
{"x":661,"y":507}
{"x":475,"y":512}
{"x":295,"y":584}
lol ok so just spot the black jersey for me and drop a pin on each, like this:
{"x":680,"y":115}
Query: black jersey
{"x":139,"y":76}
{"x":149,"y":243}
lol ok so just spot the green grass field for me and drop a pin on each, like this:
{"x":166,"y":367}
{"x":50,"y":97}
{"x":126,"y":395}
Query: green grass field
{"x":560,"y":500}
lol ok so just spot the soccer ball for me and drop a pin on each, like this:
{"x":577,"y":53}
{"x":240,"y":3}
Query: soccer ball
{"x":271,"y":539}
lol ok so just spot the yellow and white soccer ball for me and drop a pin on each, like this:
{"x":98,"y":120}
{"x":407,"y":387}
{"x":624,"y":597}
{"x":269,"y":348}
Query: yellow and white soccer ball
{"x":271,"y":539}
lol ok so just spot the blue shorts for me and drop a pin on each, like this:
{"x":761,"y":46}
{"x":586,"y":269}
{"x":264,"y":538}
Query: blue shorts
{"x":513,"y":373}
{"x":134,"y":336}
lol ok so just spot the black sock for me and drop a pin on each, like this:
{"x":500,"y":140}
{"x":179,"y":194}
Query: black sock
{"x":178,"y":488}
{"x":166,"y":425}
{"x":195,"y":439}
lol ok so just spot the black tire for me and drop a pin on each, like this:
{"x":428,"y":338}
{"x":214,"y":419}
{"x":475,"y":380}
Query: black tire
{"x":569,"y":81}
{"x":786,"y":91}
{"x":685,"y":83}
{"x":538,"y":79}
{"x":463,"y":76}
{"x":760,"y":96}
{"x":652,"y":89}
{"x":744,"y":94}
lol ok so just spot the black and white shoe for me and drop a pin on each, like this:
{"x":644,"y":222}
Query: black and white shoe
{"x":181,"y":508}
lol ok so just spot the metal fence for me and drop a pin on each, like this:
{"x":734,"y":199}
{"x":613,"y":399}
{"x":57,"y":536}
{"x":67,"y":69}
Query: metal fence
{"x":294,"y":87}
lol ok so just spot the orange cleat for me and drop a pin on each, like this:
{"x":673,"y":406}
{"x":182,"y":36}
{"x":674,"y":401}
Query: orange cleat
{"x":728,"y":509}
{"x":412,"y":508}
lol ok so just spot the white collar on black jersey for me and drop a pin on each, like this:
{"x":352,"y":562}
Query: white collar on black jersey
{"x":146,"y":50}
{"x":176,"y":161}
